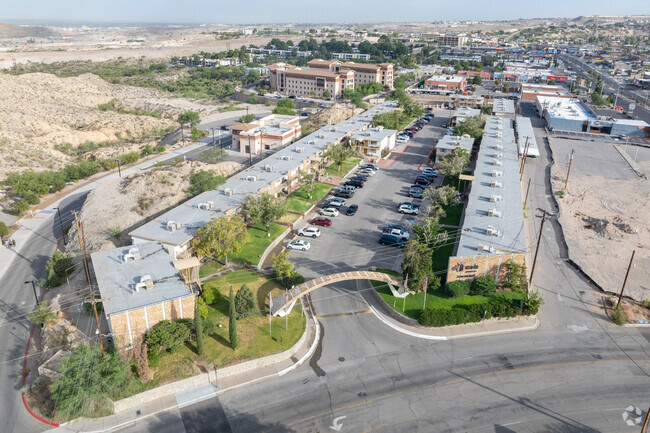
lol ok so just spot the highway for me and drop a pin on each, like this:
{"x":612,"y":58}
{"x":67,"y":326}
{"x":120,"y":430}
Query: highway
{"x":576,"y":373}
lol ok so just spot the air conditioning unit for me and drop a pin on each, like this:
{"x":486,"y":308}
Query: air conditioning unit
{"x":498,"y":155}
{"x":486,"y":248}
{"x":252,"y":178}
{"x":494,"y":213}
{"x":495,"y":198}
{"x":205,"y":206}
{"x":286,"y":157}
{"x":228,"y":191}
{"x":321,"y":136}
{"x":497,"y":162}
{"x":498,"y":147}
{"x":492,"y":231}
{"x":269,"y":167}
{"x":498,"y":127}
{"x":147,"y":280}
{"x":172,"y":226}
{"x":133,"y":253}
{"x":301,"y":149}
{"x":496,"y":184}
{"x":497,"y":173}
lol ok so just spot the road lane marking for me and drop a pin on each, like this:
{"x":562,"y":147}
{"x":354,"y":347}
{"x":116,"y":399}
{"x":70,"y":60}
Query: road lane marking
{"x":353,"y":313}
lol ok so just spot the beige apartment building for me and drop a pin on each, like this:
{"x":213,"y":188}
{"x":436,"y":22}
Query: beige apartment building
{"x":363,"y":72}
{"x":291,"y":80}
{"x":267,"y":133}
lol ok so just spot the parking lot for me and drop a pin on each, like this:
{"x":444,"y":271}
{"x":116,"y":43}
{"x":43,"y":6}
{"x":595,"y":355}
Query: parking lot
{"x":352,"y":242}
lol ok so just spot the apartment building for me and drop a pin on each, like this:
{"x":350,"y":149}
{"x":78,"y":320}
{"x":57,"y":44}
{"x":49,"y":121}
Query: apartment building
{"x":451,"y":39}
{"x":267,"y":133}
{"x":446,"y":82}
{"x":372,"y":142}
{"x":292,"y":80}
{"x":450,"y":144}
{"x":363,"y":72}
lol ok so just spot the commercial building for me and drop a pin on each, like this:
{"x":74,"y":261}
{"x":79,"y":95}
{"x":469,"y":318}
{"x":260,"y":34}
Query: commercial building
{"x":372,"y":142}
{"x":565,"y":114}
{"x":364,"y":73}
{"x":471,"y":74}
{"x":462,"y":114}
{"x":433,"y":99}
{"x":526,"y":140}
{"x":279,"y":172}
{"x":291,"y":80}
{"x":450,"y":144}
{"x":267,"y":133}
{"x":451,"y":39}
{"x":446,"y":82}
{"x":140,"y":286}
{"x":530,"y":92}
{"x":350,"y":56}
{"x":492,"y":232}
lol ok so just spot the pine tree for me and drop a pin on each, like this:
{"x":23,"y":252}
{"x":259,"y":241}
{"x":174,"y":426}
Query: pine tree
{"x":232,"y":315}
{"x":198,"y":326}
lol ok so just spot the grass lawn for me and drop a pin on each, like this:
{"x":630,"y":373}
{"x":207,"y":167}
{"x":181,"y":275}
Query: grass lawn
{"x":253,"y":331}
{"x":210,"y":268}
{"x":453,"y":214}
{"x":300,"y":202}
{"x":333,"y":169}
{"x":297,"y":204}
{"x":442,"y":254}
{"x":257,"y":243}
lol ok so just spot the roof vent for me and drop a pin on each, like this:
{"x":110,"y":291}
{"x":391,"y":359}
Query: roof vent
{"x":321,"y":136}
{"x":133,"y":253}
{"x":495,"y":198}
{"x":494,"y":213}
{"x":269,"y":167}
{"x":486,"y":248}
{"x":496,"y":184}
{"x":205,"y":206}
{"x":172,"y":226}
{"x":497,"y":173}
{"x":286,"y":157}
{"x":302,"y":149}
{"x":498,"y":147}
{"x":228,"y":191}
{"x":497,"y":162}
{"x":251,"y":178}
{"x":498,"y":155}
{"x":146,"y":283}
{"x":492,"y":231}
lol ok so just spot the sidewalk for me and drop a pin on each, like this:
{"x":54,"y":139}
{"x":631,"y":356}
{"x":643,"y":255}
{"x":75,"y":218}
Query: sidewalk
{"x":45,"y":212}
{"x":198,"y":388}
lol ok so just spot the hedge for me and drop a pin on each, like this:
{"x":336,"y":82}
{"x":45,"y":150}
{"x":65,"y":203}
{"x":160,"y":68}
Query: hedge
{"x":458,"y":288}
{"x":497,"y":306}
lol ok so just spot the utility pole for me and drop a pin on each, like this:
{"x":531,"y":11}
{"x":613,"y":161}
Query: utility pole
{"x":644,"y":429}
{"x":99,"y":331}
{"x":625,"y":280}
{"x":119,"y":169}
{"x":34,"y":287}
{"x":527,"y":190}
{"x":523,"y":163}
{"x":212,"y":136}
{"x":83,"y":261}
{"x":566,"y":181}
{"x":521,"y":166}
{"x":58,"y":211}
{"x":539,"y":241}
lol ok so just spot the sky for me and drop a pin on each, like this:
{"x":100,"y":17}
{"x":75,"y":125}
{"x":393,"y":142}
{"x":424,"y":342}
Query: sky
{"x":302,"y":11}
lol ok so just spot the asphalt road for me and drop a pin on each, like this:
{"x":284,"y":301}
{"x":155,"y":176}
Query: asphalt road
{"x":576,"y":373}
{"x":17,"y":301}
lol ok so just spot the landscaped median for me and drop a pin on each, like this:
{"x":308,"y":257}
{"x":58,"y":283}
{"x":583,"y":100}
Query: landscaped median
{"x":442,"y":308}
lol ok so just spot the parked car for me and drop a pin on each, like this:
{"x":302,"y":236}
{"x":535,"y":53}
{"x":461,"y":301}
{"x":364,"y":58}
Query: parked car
{"x":402,"y":234}
{"x":334,"y":202}
{"x":344,"y":193}
{"x":444,"y":125}
{"x":391,"y":240}
{"x":368,"y":172}
{"x":322,"y":221}
{"x":312,"y":232}
{"x":371,"y":166}
{"x":354,"y":183}
{"x":298,"y":244}
{"x":394,"y":226}
{"x":349,"y":188}
{"x":416,"y":192}
{"x":329,"y":211}
{"x":408,"y":208}
{"x":352,"y":209}
{"x":360,"y":178}
{"x":432,"y":171}
{"x":415,"y":185}
{"x":421,"y":181}
{"x":426,"y":176}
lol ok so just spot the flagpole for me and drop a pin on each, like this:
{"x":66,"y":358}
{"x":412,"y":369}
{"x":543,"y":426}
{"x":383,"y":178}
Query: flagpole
{"x":424,"y":287}
{"x":270,"y":313}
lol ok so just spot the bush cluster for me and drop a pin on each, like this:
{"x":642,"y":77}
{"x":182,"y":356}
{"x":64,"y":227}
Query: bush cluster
{"x":497,"y":306}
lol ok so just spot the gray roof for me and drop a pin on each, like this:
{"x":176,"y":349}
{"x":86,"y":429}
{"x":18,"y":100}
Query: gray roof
{"x":374,"y":134}
{"x":467,"y":112}
{"x":503,"y":106}
{"x":510,"y":224}
{"x":454,"y":141}
{"x":250,"y":181}
{"x":525,"y":133}
{"x":117,"y":279}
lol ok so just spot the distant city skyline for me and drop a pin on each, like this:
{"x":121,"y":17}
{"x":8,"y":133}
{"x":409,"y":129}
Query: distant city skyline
{"x":287,"y":11}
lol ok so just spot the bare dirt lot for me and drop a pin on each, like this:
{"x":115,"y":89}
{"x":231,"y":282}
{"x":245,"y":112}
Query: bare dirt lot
{"x":604,"y":213}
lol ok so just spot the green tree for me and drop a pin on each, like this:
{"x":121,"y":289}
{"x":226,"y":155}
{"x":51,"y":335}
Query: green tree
{"x":285,"y":106}
{"x":198,"y":326}
{"x":429,"y":232}
{"x":221,"y":237}
{"x":264,"y":209}
{"x":458,"y":288}
{"x":4,"y":230}
{"x":42,"y":314}
{"x":307,"y":182}
{"x":417,"y":264}
{"x":442,"y":196}
{"x":191,"y":117}
{"x":515,"y":276}
{"x":166,"y":336}
{"x":57,"y":268}
{"x":338,"y":153}
{"x":453,"y":163}
{"x":196,"y":134}
{"x":253,"y":100}
{"x":204,"y":180}
{"x":232,"y":321}
{"x":20,"y":206}
{"x":327,"y":94}
{"x":247,"y":118}
{"x":282,"y":269}
{"x":244,"y":301}
{"x":506,"y":87}
{"x":472,"y":126}
{"x":484,"y":286}
{"x":32,"y":198}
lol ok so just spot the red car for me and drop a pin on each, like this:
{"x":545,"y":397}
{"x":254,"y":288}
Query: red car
{"x":421,"y":181}
{"x":322,"y":221}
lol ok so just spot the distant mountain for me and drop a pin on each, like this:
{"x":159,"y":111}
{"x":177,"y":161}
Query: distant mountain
{"x":12,"y":31}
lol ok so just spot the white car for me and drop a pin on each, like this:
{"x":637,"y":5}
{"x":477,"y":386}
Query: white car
{"x":404,"y":235}
{"x":330,"y":212}
{"x":408,"y":209}
{"x":313,"y":232}
{"x":298,"y":245}
{"x":366,"y":172}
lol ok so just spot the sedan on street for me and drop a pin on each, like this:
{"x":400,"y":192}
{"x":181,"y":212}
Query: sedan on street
{"x":408,"y":208}
{"x":298,"y":244}
{"x":330,"y":212}
{"x":312,"y":232}
{"x":352,"y":209}
{"x":322,"y":221}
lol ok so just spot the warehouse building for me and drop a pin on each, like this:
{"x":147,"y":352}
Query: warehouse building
{"x":564,"y":114}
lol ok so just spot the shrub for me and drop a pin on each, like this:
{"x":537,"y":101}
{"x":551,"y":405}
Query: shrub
{"x":4,"y":230}
{"x":458,"y":288}
{"x":57,"y":267}
{"x":532,"y":303}
{"x":484,"y":286}
{"x":42,"y":314}
{"x":618,"y":316}
{"x":129,"y":158}
{"x":293,"y":280}
{"x":645,"y":302}
{"x":210,"y":294}
{"x":159,"y":149}
{"x":147,"y":150}
{"x":115,"y":231}
{"x":253,"y":100}
{"x":196,"y":134}
{"x":32,"y":198}
{"x":166,"y":336}
{"x":204,"y":180}
{"x":203,"y":308}
{"x":244,"y":301}
{"x":500,"y":306}
{"x":21,"y":206}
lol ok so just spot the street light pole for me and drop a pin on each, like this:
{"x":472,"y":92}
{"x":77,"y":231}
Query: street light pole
{"x":212,"y":136}
{"x":119,"y":169}
{"x":33,"y":287}
{"x":58,"y":211}
{"x":625,"y":280}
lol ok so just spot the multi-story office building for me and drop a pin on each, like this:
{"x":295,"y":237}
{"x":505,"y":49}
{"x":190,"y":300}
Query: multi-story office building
{"x":291,"y":80}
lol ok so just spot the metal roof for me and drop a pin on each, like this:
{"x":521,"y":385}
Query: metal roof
{"x":250,"y":181}
{"x":503,"y":106}
{"x":117,"y":279}
{"x":374,"y":134}
{"x":494,"y":214}
{"x":454,"y":141}
{"x":526,"y":134}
